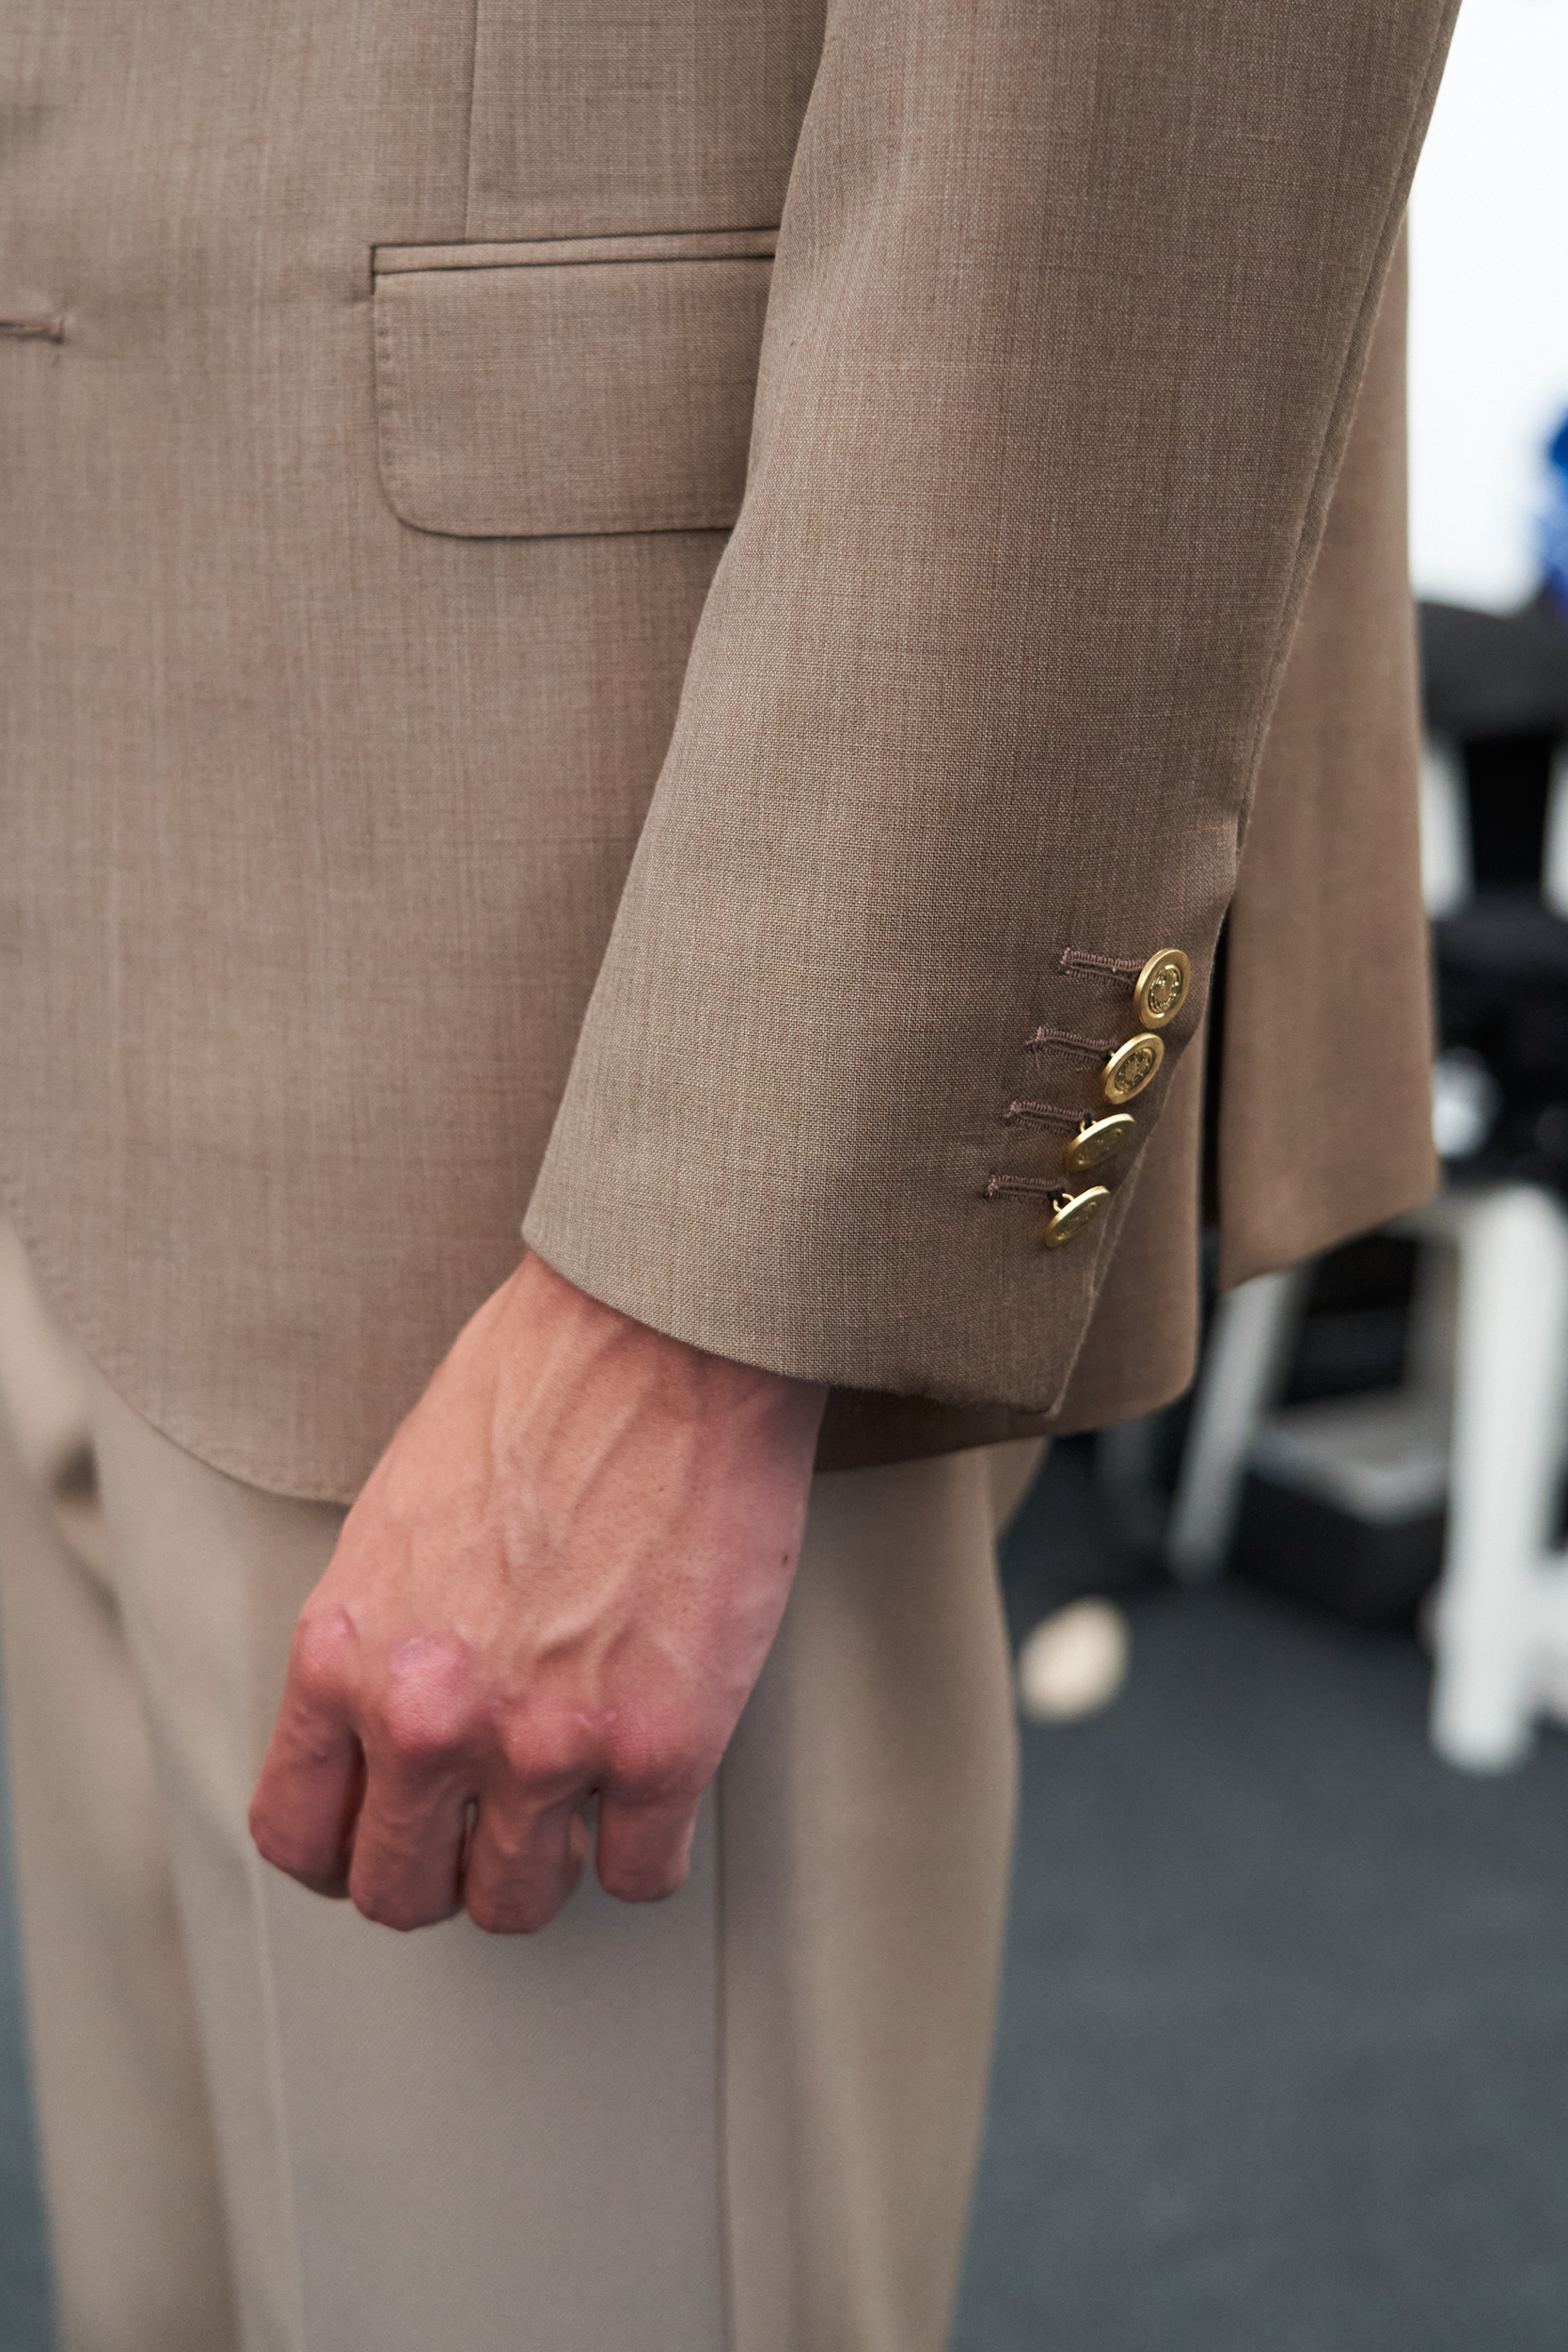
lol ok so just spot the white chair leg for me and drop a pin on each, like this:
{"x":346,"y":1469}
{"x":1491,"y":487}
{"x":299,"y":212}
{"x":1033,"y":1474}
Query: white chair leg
{"x":1509,"y":1396}
{"x":1429,"y":1353}
{"x":1243,"y":1364}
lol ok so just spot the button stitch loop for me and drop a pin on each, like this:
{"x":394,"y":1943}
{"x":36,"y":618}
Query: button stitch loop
{"x":1074,"y":1211}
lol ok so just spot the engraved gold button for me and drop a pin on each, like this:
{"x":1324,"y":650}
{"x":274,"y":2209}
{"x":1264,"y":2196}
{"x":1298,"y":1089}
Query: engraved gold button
{"x":1073,"y":1212}
{"x":1161,"y":986}
{"x":1130,"y":1067}
{"x":1099,"y":1139}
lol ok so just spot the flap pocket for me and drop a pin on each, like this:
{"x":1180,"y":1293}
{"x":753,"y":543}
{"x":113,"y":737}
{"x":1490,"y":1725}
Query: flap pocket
{"x":583,"y":385}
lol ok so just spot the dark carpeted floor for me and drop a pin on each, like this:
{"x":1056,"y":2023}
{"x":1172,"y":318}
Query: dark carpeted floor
{"x":1283,"y":2050}
{"x":1284,"y":2046}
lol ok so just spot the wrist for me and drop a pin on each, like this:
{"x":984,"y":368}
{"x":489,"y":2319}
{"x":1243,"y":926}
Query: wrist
{"x":693,"y":1381}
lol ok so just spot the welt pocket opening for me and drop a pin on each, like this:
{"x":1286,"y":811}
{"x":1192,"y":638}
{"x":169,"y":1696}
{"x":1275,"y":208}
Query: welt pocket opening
{"x":569,"y":387}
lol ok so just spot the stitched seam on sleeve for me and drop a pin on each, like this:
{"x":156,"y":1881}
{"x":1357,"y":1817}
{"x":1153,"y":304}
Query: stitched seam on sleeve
{"x":1331,"y":448}
{"x":389,"y":442}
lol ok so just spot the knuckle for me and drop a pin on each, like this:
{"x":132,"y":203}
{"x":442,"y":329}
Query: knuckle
{"x":508,"y":1845}
{"x":651,"y":1784}
{"x":321,"y":1660}
{"x":656,"y":1768}
{"x":413,"y":1744}
{"x":424,"y":1724}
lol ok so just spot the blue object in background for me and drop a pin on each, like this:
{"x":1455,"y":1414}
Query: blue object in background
{"x":1553,"y":537}
{"x":26,"y":2301}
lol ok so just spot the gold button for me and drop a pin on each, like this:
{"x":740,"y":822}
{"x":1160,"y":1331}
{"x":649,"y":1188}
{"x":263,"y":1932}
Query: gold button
{"x":1162,"y":988}
{"x":1073,"y":1210}
{"x":1130,"y":1067}
{"x":1099,"y":1139}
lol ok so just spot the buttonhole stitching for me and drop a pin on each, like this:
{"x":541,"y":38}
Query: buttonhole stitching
{"x":1115,"y":967}
{"x":1097,"y":1046}
{"x":1031,"y":1187}
{"x":1043,"y":1114}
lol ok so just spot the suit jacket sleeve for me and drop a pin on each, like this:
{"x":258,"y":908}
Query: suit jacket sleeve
{"x":1068,"y":318}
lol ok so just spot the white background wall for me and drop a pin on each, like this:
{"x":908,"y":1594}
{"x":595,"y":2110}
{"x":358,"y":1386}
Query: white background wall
{"x":1489,"y":302}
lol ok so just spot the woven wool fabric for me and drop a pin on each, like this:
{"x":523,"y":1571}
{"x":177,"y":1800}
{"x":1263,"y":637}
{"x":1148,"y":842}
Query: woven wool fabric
{"x":319,"y":815}
{"x":1325,"y":1121}
{"x":1057,"y":378}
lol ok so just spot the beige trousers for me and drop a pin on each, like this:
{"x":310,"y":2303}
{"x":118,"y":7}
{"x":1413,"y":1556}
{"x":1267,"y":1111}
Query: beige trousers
{"x":744,"y":2120}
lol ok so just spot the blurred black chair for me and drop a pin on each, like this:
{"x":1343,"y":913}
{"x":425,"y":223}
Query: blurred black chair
{"x":1496,"y":694}
{"x":1482,"y":1416}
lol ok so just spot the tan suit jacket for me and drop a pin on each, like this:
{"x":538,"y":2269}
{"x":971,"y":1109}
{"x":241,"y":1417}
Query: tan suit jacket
{"x":404,"y":773}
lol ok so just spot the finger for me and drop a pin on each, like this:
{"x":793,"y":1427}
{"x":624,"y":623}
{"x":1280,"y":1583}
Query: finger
{"x":307,"y":1797}
{"x":523,"y":1862}
{"x":644,"y":1850}
{"x":406,"y":1869}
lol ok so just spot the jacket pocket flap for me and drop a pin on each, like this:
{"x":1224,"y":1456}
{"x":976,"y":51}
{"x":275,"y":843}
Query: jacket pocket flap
{"x":579,"y":385}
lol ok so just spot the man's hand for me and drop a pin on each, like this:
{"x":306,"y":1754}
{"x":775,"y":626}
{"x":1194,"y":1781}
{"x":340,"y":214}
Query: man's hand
{"x":560,"y":1581}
